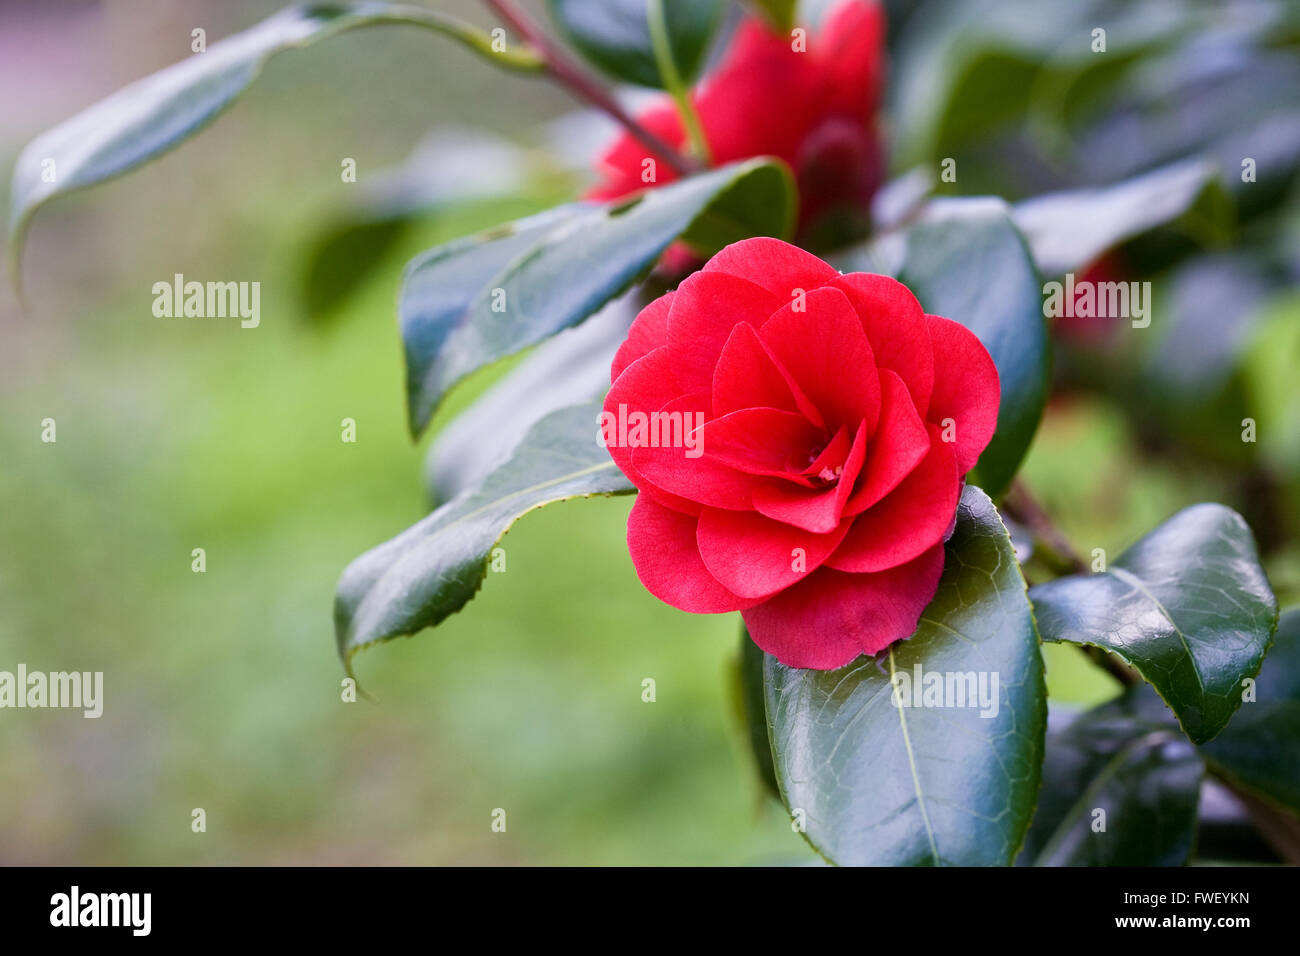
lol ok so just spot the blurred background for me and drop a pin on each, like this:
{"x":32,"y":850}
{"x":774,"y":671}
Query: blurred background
{"x":223,"y":689}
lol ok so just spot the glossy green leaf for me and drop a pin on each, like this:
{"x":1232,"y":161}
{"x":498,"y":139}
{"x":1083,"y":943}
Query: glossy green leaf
{"x":435,"y":567}
{"x":474,"y":301}
{"x":964,"y":259}
{"x":571,"y":368}
{"x":152,"y":115}
{"x":615,"y":35}
{"x":1188,"y":606}
{"x":1260,"y":748}
{"x":880,"y":784}
{"x":1068,"y":230}
{"x":1120,"y":788}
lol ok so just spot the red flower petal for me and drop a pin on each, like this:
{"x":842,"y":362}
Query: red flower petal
{"x":667,"y":560}
{"x":755,"y":556}
{"x":814,"y":511}
{"x":896,"y":328}
{"x":748,"y":376}
{"x":911,"y":518}
{"x":667,"y":468}
{"x":777,"y":266}
{"x":829,"y":618}
{"x":646,"y":385}
{"x":761,"y":441}
{"x":648,"y":332}
{"x":900,"y":443}
{"x":850,"y":52}
{"x":817,"y":345}
{"x":704,"y":310}
{"x":966,"y":389}
{"x":621,"y":162}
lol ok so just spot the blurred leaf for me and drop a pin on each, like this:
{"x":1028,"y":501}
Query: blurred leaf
{"x":969,"y":68}
{"x":570,"y":368}
{"x":435,"y":567}
{"x":750,"y":663}
{"x":779,"y":13}
{"x":1070,"y":229}
{"x":1128,"y":759}
{"x":343,"y":255}
{"x":615,"y":35}
{"x":1269,"y":363}
{"x":450,"y":167}
{"x":1189,"y":606}
{"x":152,"y":115}
{"x":964,"y":259}
{"x":473,"y":301}
{"x":886,"y":785}
{"x":1260,"y":748}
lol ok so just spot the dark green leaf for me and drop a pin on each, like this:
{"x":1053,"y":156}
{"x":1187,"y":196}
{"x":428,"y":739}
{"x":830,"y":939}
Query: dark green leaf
{"x":476,"y":300}
{"x":880,"y":784}
{"x":1260,"y":748}
{"x":965,"y":260}
{"x":435,"y":567}
{"x":1068,"y":230}
{"x":615,"y":35}
{"x":152,"y":115}
{"x":1128,"y":760}
{"x":1188,"y":606}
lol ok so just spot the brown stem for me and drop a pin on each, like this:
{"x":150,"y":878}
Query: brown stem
{"x":568,"y":74}
{"x":1021,"y":505}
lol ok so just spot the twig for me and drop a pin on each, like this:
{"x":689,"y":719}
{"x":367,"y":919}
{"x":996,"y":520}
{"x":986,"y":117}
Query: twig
{"x":567,"y":73}
{"x":1021,"y":505}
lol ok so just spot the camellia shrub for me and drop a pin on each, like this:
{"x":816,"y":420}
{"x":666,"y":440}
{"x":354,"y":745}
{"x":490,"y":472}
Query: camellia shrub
{"x":815,"y":339}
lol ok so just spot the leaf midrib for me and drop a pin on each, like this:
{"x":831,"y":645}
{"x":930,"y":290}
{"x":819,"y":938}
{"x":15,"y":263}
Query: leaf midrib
{"x":1133,"y":581}
{"x":911,"y":764}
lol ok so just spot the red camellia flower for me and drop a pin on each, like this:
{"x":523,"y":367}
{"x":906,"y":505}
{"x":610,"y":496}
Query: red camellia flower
{"x":798,"y":438}
{"x":808,"y":100}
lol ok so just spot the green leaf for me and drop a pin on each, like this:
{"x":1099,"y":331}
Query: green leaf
{"x":750,"y":664}
{"x":779,"y":13}
{"x":885,"y":785}
{"x":476,"y":300}
{"x":964,"y":259}
{"x":1128,"y":759}
{"x":1260,"y":748}
{"x":571,"y":368}
{"x":435,"y":567}
{"x":1188,"y":606}
{"x":154,"y":114}
{"x":1068,"y":230}
{"x":615,"y":35}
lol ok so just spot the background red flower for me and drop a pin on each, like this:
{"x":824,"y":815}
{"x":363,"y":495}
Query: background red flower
{"x":814,"y":108}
